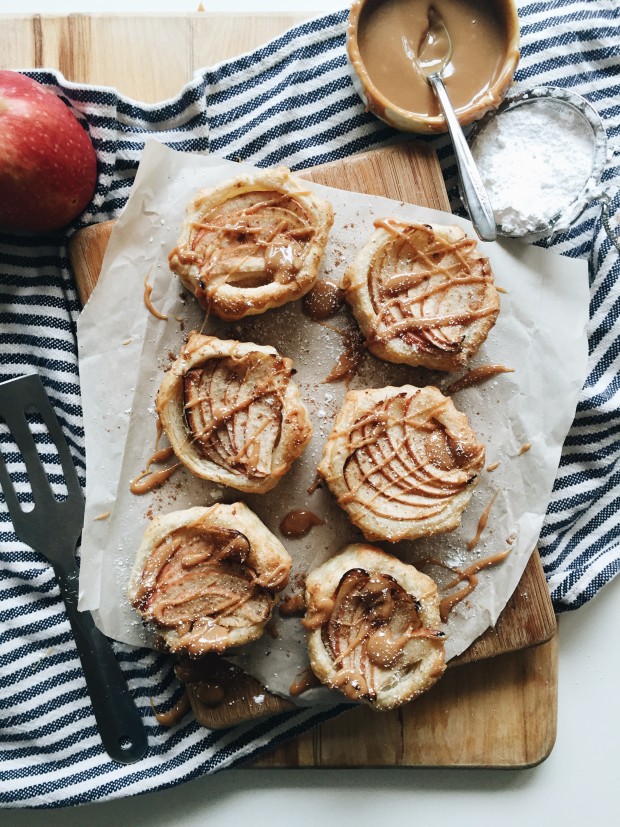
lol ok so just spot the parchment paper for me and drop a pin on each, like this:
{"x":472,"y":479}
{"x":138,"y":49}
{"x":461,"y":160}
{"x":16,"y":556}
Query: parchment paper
{"x":541,"y":333}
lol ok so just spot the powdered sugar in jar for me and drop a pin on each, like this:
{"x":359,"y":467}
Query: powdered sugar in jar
{"x":541,"y":156}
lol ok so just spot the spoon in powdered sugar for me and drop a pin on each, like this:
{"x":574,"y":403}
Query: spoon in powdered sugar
{"x":433,"y":56}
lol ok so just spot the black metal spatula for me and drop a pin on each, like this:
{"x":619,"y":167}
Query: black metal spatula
{"x":53,"y":528}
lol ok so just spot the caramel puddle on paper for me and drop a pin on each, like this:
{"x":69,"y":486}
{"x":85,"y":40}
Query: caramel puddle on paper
{"x":475,"y":377}
{"x":446,"y":604}
{"x":148,"y":289}
{"x":147,"y":480}
{"x":482,"y":523}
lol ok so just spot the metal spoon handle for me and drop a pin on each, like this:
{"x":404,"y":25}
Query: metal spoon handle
{"x":474,"y":194}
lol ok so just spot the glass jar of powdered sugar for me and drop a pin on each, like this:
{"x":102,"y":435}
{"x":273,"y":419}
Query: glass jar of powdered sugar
{"x":541,"y":156}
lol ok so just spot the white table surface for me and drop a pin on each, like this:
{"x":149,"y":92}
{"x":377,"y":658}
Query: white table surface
{"x":576,"y":785}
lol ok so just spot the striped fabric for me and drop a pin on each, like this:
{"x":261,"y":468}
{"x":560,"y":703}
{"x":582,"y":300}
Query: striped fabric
{"x":290,"y":102}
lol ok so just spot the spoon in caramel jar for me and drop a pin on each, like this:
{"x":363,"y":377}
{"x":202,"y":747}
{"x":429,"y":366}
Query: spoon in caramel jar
{"x":433,"y":56}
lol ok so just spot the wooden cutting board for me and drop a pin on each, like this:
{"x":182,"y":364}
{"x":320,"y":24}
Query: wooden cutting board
{"x":499,"y":707}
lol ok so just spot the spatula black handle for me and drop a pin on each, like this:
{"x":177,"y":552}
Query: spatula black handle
{"x":118,"y":719}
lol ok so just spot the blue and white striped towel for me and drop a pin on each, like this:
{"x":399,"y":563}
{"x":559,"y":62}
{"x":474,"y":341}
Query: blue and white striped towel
{"x":290,"y":102}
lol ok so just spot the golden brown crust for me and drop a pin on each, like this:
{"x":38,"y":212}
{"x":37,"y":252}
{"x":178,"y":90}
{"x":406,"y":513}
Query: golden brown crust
{"x":252,"y":243}
{"x":373,"y":627}
{"x":232,"y":413}
{"x":402,"y":462}
{"x":422,"y":294}
{"x":205,"y":579}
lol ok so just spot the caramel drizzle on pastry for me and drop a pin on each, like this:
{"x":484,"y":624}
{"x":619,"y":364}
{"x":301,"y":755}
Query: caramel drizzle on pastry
{"x":368,"y":631}
{"x":233,"y":410}
{"x":248,"y":241}
{"x":425,"y":289}
{"x":198,"y":581}
{"x":404,"y":464}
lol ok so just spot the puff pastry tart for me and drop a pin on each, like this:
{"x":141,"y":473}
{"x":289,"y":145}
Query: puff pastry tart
{"x":232,"y":413}
{"x":402,"y":462}
{"x":252,"y":243}
{"x":422,"y":294}
{"x":206,"y":579}
{"x":373,"y":627}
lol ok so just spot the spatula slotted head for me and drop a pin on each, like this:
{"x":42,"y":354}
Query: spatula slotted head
{"x":54,"y":525}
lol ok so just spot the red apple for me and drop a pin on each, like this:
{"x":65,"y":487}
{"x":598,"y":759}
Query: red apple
{"x":48,"y":167}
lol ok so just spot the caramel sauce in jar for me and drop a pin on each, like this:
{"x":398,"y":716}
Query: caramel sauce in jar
{"x":385,"y":38}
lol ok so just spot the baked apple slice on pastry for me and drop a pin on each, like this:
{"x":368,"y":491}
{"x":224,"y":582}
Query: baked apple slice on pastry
{"x":232,"y":412}
{"x":422,"y":294}
{"x":206,"y":579}
{"x":402,"y":462}
{"x":252,"y":243}
{"x":373,"y":627}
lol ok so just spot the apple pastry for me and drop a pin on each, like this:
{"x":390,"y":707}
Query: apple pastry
{"x":422,"y":294}
{"x":373,"y":627}
{"x":402,"y":462}
{"x":206,"y":579}
{"x":252,"y":243}
{"x":232,"y":412}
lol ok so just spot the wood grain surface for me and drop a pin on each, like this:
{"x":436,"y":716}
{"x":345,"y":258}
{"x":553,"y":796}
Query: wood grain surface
{"x":500,"y":713}
{"x":146,"y":57}
{"x":495,"y":712}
